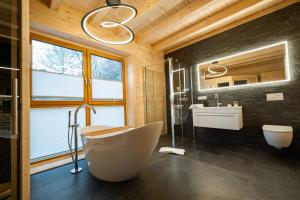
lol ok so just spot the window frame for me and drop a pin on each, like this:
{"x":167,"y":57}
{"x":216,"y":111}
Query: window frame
{"x":87,"y":78}
{"x":104,"y":101}
{"x":45,"y":103}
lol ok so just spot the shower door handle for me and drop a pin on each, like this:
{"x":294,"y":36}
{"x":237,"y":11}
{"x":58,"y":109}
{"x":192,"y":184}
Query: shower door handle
{"x":15,"y":113}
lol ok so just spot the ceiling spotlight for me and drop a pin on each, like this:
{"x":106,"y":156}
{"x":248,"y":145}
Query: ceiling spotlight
{"x":115,"y":4}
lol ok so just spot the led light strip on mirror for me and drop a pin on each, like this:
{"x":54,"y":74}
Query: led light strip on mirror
{"x":212,"y":71}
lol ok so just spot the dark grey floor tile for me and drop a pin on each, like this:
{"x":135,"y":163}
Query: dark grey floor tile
{"x":271,"y":189}
{"x":218,"y":183}
{"x":276,"y":159}
{"x":203,"y":156}
{"x":165,"y":185}
{"x":209,"y":171}
{"x":237,"y":163}
{"x":36,"y":181}
{"x":274,"y":179}
{"x":60,"y":173}
{"x":244,"y":150}
{"x":209,"y":147}
{"x":260,"y":192}
{"x":42,"y":193}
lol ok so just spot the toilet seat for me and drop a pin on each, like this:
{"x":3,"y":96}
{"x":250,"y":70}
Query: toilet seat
{"x":276,"y":128}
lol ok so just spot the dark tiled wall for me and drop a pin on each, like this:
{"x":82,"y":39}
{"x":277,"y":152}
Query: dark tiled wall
{"x":278,"y":26}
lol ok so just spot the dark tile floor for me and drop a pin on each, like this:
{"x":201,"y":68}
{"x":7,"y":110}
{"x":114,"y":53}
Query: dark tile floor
{"x":208,"y":171}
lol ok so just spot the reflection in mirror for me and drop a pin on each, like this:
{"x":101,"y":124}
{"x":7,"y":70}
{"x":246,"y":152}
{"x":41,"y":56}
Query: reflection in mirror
{"x":179,"y":80}
{"x":261,"y":65}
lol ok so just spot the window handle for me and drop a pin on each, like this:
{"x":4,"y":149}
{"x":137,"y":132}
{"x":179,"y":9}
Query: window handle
{"x":90,"y":80}
{"x":86,"y":81}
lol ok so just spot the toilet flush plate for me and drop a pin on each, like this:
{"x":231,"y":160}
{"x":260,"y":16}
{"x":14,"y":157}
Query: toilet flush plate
{"x":275,"y":96}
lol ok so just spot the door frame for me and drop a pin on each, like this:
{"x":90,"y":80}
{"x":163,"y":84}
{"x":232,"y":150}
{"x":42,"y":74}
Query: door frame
{"x":25,"y":103}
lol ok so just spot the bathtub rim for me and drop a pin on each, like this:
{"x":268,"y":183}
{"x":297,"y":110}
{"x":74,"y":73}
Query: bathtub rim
{"x":84,"y":131}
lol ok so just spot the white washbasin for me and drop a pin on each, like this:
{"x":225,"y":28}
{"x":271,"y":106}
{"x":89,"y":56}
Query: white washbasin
{"x":218,"y":117}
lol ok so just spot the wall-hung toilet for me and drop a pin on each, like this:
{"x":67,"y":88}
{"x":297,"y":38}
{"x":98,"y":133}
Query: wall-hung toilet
{"x":278,"y":136}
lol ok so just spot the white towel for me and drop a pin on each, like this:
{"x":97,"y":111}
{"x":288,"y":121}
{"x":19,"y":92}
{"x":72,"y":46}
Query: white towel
{"x":172,"y":150}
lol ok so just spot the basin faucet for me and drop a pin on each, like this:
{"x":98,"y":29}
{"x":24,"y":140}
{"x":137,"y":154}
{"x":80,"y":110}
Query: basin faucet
{"x":218,"y":100}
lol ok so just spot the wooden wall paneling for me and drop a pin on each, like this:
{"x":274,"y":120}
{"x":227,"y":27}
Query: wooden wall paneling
{"x":65,"y":24}
{"x":25,"y":107}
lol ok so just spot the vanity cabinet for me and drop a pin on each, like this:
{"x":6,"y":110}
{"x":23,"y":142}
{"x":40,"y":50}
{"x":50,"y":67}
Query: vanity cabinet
{"x":230,"y":118}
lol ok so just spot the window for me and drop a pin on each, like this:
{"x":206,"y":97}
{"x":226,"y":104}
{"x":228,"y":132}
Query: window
{"x":48,"y":137}
{"x":107,"y":79}
{"x":57,"y":73}
{"x":225,"y":84}
{"x":240,"y":82}
{"x":110,"y":116}
{"x":63,"y":77}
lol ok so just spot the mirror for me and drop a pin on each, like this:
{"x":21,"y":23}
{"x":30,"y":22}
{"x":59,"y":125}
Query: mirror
{"x":266,"y":64}
{"x":179,"y":80}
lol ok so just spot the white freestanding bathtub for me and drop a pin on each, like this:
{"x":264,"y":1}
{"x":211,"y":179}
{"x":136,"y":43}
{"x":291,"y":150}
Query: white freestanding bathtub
{"x":120,"y":155}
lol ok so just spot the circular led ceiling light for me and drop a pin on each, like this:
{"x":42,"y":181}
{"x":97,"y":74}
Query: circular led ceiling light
{"x":211,"y":69}
{"x":111,"y":4}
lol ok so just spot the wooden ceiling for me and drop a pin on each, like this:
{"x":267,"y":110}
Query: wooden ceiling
{"x":171,"y":24}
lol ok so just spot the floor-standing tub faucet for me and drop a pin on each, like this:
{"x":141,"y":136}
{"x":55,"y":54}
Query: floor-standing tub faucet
{"x":75,"y":127}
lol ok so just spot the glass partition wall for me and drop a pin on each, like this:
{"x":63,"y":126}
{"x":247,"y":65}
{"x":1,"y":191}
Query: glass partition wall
{"x":180,"y":99}
{"x":63,"y":77}
{"x":10,"y":98}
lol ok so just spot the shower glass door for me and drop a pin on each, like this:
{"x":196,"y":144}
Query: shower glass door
{"x":9,"y":99}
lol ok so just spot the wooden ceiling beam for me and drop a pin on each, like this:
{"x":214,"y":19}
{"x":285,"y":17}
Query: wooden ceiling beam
{"x":239,"y":22}
{"x":191,"y":31}
{"x":190,"y":12}
{"x":55,"y":4}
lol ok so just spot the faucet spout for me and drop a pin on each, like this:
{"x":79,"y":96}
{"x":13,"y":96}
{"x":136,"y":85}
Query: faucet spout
{"x":83,"y":106}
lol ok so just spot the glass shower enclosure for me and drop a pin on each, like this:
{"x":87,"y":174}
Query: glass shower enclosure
{"x":175,"y":93}
{"x":9,"y":98}
{"x":179,"y":100}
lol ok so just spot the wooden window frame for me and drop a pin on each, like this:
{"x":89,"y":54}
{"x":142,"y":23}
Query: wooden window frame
{"x":86,"y":52}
